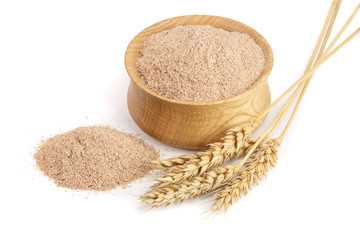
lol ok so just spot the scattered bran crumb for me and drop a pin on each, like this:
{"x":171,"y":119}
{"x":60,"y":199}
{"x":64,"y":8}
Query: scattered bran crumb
{"x":95,"y":158}
{"x":199,"y":63}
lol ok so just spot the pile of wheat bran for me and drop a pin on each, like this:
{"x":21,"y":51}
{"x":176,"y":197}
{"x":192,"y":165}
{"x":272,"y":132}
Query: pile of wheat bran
{"x":95,"y":158}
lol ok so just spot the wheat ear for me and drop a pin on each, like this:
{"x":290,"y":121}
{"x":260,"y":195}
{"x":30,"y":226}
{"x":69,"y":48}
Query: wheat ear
{"x":230,"y":146}
{"x":255,"y":170}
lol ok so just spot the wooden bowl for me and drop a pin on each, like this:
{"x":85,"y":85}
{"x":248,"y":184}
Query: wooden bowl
{"x":193,"y":125}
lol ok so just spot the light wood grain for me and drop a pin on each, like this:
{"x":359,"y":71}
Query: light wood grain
{"x":193,"y":125}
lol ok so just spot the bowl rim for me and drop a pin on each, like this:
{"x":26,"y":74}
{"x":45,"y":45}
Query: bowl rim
{"x":262,"y":78}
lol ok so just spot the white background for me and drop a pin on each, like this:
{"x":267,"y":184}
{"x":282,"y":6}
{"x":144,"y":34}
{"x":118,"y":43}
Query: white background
{"x":61,"y":66}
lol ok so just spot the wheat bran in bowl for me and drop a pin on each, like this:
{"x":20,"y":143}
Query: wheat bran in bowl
{"x":96,"y":158}
{"x":199,"y":63}
{"x":194,"y":124}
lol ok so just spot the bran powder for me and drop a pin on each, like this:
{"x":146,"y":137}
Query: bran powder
{"x":95,"y":158}
{"x":199,"y":63}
